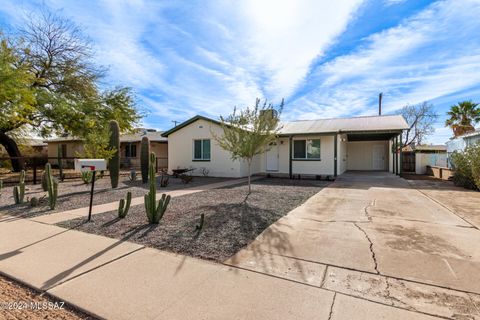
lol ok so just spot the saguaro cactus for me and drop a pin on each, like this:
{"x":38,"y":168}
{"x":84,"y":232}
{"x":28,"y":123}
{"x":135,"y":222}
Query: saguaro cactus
{"x":114,"y":162}
{"x":144,"y":154}
{"x":52,"y":187}
{"x":154,"y":211}
{"x":124,"y":206}
{"x":60,"y":155}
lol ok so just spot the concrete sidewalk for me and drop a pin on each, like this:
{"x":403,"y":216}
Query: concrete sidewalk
{"x":114,"y":279}
{"x":55,"y":218}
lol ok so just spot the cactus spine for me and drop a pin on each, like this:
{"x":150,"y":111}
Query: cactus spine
{"x":114,"y":162}
{"x":124,"y":206}
{"x":60,"y":155}
{"x":144,"y":154}
{"x":154,"y":212}
{"x":52,"y":187}
{"x":19,"y":191}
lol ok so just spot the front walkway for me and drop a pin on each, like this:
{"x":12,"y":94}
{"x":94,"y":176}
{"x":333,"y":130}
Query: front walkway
{"x":363,"y":248}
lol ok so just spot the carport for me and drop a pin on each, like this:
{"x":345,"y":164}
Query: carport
{"x":373,"y":150}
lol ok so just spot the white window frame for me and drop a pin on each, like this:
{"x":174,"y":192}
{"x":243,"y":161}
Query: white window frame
{"x":306,"y":149}
{"x":201,"y":150}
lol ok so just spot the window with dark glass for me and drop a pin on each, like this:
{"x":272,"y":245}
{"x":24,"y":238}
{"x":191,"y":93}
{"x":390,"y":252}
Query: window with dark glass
{"x":201,"y":149}
{"x":131,"y":151}
{"x":306,"y":149}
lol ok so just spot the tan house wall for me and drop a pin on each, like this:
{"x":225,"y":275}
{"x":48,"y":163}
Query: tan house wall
{"x":360,"y":154}
{"x":73,"y":149}
{"x":160,"y":149}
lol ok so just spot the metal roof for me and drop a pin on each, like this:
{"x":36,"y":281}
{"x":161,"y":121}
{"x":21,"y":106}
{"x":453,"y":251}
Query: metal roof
{"x":360,"y":124}
{"x":431,"y":147}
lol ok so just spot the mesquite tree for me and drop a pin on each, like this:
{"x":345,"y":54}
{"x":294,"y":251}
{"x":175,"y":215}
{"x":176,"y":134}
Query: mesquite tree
{"x":51,"y":86}
{"x":249,"y":132}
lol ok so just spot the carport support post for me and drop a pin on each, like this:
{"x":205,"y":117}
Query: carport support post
{"x":396,"y":155}
{"x":401,"y":154}
{"x":290,"y":147}
{"x":335,"y":147}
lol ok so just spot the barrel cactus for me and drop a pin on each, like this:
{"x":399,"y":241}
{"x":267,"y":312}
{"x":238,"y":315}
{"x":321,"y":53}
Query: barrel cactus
{"x":114,"y":162}
{"x":154,"y":211}
{"x":144,"y":154}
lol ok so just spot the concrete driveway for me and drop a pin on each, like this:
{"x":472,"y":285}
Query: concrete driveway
{"x":411,"y":245}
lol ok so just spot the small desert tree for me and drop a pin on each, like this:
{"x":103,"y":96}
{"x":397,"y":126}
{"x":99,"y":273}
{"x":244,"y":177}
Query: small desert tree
{"x":249,"y":132}
{"x":421,"y":119}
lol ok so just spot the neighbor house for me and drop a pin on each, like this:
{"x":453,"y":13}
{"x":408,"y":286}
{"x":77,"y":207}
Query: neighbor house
{"x":129,"y":148}
{"x":325,"y":147}
{"x":461,"y":142}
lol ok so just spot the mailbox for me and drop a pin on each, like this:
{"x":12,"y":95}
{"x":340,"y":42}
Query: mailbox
{"x":90,"y":165}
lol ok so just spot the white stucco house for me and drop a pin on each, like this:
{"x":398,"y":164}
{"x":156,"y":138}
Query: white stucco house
{"x":325,"y":147}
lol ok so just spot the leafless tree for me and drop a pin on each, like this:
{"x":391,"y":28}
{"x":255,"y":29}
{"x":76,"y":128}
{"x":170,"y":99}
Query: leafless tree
{"x":420,"y":119}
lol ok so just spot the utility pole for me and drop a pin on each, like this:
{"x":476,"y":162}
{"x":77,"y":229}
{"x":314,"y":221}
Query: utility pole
{"x":380,"y":103}
{"x":175,"y":122}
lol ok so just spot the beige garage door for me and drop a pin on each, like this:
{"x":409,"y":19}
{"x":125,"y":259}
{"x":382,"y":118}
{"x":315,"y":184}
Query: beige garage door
{"x":367,"y":155}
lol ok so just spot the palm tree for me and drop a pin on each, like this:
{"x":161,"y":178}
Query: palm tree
{"x":463,"y":116}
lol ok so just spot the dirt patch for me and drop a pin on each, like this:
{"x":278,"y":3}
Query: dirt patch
{"x":231,"y":220}
{"x":76,"y":194}
{"x":20,"y":302}
{"x":412,"y":239}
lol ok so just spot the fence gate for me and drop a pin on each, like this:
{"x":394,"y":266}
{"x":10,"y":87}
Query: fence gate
{"x":408,"y":164}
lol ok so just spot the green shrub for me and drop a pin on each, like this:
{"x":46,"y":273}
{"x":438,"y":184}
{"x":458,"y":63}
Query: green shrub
{"x":467,"y":167}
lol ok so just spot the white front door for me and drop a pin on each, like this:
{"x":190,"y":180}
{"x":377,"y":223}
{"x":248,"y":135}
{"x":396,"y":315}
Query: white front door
{"x":272,"y":157}
{"x":378,"y":157}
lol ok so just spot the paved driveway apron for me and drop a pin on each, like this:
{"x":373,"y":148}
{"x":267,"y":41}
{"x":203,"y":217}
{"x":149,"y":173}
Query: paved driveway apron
{"x":379,"y":237}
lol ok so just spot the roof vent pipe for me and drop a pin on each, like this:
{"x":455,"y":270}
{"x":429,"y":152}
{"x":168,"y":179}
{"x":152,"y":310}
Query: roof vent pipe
{"x":380,"y":103}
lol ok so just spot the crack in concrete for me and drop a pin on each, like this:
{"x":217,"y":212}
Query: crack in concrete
{"x":331,"y":307}
{"x":324,"y":277}
{"x":365,"y":209}
{"x":393,"y":299}
{"x":371,"y":248}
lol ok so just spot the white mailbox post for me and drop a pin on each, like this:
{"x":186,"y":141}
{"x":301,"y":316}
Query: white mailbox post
{"x":93,"y":165}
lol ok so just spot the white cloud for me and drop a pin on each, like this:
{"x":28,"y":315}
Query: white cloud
{"x":433,"y":54}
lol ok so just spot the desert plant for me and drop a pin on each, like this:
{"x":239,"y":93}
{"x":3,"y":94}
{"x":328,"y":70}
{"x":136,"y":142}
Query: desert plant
{"x":205,"y":172}
{"x":87,"y":177}
{"x":34,"y":202}
{"x":60,"y":155}
{"x":19,"y":191}
{"x":144,"y":154}
{"x":44,"y":181}
{"x":133,"y":175}
{"x":164,"y":181}
{"x":154,"y":211}
{"x":124,"y":206}
{"x":1,"y":187}
{"x":199,"y":226}
{"x":52,"y":187}
{"x":114,"y":162}
{"x":186,"y":178}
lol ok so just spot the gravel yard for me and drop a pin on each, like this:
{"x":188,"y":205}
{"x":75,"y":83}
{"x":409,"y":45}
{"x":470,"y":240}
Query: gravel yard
{"x":75,"y":194}
{"x":21,"y":302}
{"x":231,"y":220}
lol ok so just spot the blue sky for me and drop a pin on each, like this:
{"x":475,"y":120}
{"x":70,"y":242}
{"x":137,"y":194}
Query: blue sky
{"x":326,"y":58}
